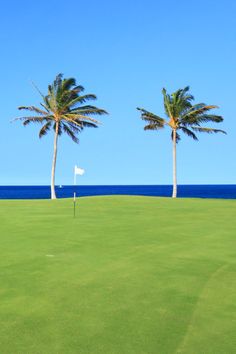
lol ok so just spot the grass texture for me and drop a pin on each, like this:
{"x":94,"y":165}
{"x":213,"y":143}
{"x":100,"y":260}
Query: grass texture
{"x":127,"y":275}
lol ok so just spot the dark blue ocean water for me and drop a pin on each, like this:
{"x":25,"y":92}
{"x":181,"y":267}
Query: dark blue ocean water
{"x":184,"y":191}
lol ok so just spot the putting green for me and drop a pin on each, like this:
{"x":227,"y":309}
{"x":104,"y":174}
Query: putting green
{"x":128,"y":275}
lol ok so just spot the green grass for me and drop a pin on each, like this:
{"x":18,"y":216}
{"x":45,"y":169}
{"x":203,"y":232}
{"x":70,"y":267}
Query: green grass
{"x":128,"y":275}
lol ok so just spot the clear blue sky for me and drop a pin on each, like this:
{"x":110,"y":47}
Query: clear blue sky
{"x":125,"y":52}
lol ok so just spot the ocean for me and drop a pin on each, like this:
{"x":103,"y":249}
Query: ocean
{"x":226,"y":191}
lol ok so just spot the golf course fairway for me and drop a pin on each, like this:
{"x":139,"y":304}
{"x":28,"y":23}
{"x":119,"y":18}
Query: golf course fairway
{"x":127,"y":275}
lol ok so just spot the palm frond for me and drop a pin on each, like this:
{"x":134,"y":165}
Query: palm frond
{"x":178,"y":138}
{"x":85,"y":119}
{"x":198,"y":109}
{"x":201,"y":118}
{"x":68,"y":84}
{"x":185,"y":96}
{"x":188,"y":132}
{"x":37,"y":89}
{"x":181,"y":95}
{"x":81,"y":100}
{"x":58,"y":80}
{"x":70,"y":133}
{"x":88,"y":124}
{"x":78,"y":89}
{"x":33,"y":109}
{"x":72,"y":119}
{"x":45,"y":107}
{"x":44,"y":130}
{"x":167,"y":103}
{"x":180,"y":102}
{"x":79,"y":118}
{"x":73,"y":126}
{"x":151,"y":117}
{"x":207,"y":130}
{"x":87,"y":110}
{"x":28,"y":120}
{"x":152,"y":126}
{"x":59,"y":128}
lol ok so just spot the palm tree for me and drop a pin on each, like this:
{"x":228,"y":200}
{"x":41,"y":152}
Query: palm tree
{"x":63,"y":109}
{"x":181,"y":116}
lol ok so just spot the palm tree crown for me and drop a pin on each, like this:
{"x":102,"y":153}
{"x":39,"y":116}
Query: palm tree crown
{"x":63,"y":109}
{"x":182,"y":115}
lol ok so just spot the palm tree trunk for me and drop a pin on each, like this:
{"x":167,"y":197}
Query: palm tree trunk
{"x":53,"y":193}
{"x":174,"y":194}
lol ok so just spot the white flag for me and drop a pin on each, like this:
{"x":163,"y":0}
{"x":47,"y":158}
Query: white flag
{"x":79,"y":171}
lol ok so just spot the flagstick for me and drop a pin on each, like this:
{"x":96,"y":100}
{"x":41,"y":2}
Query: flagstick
{"x":74,"y":203}
{"x":74,"y":178}
{"x":74,"y":191}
